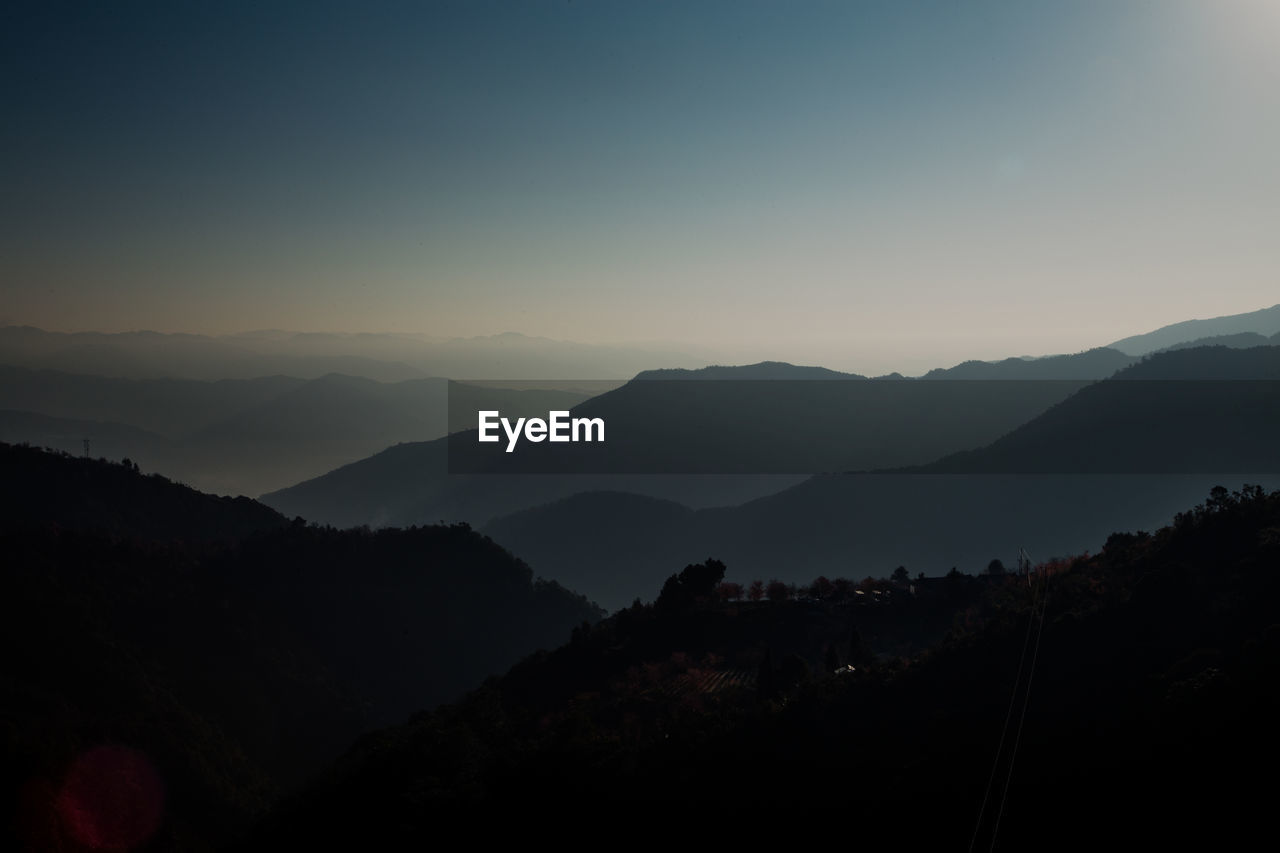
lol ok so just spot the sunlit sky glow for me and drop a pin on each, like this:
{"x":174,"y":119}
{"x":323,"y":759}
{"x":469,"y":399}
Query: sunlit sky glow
{"x":871,"y":186}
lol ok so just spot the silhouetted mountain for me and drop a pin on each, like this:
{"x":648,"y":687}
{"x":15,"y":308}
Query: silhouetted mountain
{"x":727,"y":422}
{"x":411,"y":484}
{"x":1094,"y":364}
{"x":1241,"y":340}
{"x":242,"y":436}
{"x":772,"y":370}
{"x":228,"y":650}
{"x":1152,"y":438}
{"x":39,"y":487}
{"x":107,"y":439}
{"x":1095,"y":700}
{"x":613,"y":543}
{"x":1206,"y":410}
{"x":169,"y":407}
{"x":1264,"y":322}
{"x":853,"y":525}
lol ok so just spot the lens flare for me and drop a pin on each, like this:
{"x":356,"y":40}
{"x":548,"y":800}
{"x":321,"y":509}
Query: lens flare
{"x":112,"y":799}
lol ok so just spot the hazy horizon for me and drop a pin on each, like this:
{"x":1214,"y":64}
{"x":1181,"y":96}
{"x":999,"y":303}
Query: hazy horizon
{"x":844,"y":357}
{"x":870,"y":187}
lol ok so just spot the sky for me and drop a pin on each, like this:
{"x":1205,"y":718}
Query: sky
{"x":867,"y":185}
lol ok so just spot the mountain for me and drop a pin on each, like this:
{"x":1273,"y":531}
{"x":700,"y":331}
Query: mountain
{"x":1102,"y":699}
{"x":170,"y":407}
{"x":411,"y":484}
{"x":615,"y":544}
{"x":1265,"y":322}
{"x":1242,"y":340}
{"x":106,"y":439}
{"x":761,"y":424}
{"x":1126,"y":452}
{"x":218,"y":651}
{"x":1205,"y":410}
{"x":377,"y":490}
{"x":771,"y":370}
{"x":241,"y":436}
{"x":853,"y":525}
{"x":1093,"y":364}
{"x":76,"y":493}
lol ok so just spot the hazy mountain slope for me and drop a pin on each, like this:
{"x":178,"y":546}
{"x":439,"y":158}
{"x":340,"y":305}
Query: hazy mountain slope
{"x":860,"y":524}
{"x":853,"y":525}
{"x":1264,"y":322}
{"x":383,"y":357}
{"x":607,"y":542}
{"x":173,"y":408}
{"x":350,"y":408}
{"x":773,"y":370}
{"x":243,"y":436}
{"x":1094,"y":364}
{"x":1240,"y":340}
{"x":108,"y":440}
{"x":410,"y":484}
{"x":704,"y":429}
{"x":1210,"y":410}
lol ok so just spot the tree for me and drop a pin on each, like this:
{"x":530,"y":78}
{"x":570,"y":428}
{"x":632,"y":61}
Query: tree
{"x":701,"y":579}
{"x":674,"y":598}
{"x":730,"y":591}
{"x":995,"y":568}
{"x":696,"y":582}
{"x":901,"y":575}
{"x":778,"y":591}
{"x":756,"y":591}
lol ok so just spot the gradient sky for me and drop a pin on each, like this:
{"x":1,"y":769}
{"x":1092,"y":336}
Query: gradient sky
{"x":872,"y":186}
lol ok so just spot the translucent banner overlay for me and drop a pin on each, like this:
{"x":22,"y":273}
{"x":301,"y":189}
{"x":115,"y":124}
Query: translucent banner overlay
{"x":718,"y":426}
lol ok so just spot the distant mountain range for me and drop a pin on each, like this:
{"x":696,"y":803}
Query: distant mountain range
{"x":725,"y":438}
{"x":1124,"y":452}
{"x":383,"y":357}
{"x":1093,"y":364}
{"x":239,"y":436}
{"x":1232,"y":330}
{"x":259,"y":434}
{"x":509,"y":356}
{"x":409,"y":484}
{"x":1204,"y":410}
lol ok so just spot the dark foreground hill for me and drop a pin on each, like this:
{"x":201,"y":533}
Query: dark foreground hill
{"x":154,"y":634}
{"x":44,"y":488}
{"x":1121,"y":700}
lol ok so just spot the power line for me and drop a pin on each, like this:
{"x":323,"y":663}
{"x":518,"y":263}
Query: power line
{"x":1035,"y":620}
{"x":1026,"y":700}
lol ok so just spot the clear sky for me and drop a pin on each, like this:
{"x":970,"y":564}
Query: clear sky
{"x":870,"y":185}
